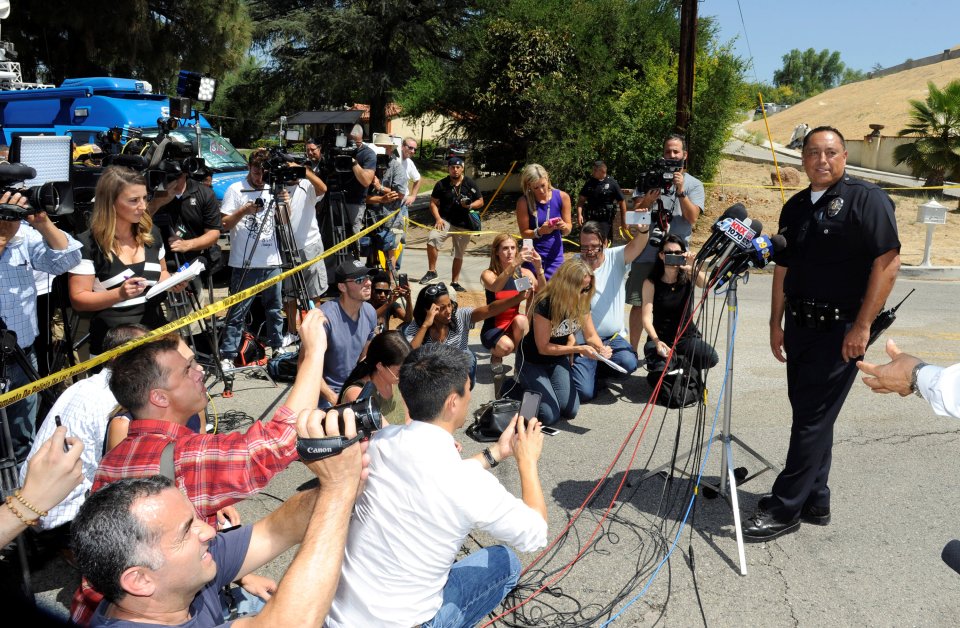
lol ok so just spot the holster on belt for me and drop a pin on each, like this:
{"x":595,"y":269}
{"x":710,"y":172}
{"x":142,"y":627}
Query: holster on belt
{"x":811,"y":314}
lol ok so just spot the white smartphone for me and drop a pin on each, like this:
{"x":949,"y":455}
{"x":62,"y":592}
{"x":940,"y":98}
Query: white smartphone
{"x":523,"y":283}
{"x":638,"y":218}
{"x":528,"y":243}
{"x":549,"y":431}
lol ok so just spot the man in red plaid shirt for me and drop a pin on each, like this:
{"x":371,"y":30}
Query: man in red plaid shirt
{"x":162,"y":389}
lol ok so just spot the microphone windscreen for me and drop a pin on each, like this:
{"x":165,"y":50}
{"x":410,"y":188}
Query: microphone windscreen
{"x":778,"y":242}
{"x":737,"y":210}
{"x":17,"y":172}
{"x":757,"y":226}
{"x":951,"y":555}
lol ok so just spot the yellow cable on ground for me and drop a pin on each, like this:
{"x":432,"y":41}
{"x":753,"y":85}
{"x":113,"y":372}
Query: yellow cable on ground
{"x":55,"y":378}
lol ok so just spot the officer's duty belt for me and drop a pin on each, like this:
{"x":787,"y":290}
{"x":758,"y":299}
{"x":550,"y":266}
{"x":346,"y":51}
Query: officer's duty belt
{"x":811,"y":314}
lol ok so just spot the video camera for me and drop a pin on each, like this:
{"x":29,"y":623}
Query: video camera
{"x":40,"y":198}
{"x":277,"y":171}
{"x":659,"y":175}
{"x":160,"y":159}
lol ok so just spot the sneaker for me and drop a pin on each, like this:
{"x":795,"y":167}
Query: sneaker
{"x":271,"y":352}
{"x":289,"y":339}
{"x":429,"y":277}
{"x":500,"y":369}
{"x":226,"y":364}
{"x":457,"y":287}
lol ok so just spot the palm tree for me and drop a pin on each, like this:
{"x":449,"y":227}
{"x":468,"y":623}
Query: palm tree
{"x":935,"y":155}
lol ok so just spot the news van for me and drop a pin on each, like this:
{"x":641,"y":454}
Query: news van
{"x":83,"y":108}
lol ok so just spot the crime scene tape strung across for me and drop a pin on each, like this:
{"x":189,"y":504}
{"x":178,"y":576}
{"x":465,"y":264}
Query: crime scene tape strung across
{"x":55,"y":378}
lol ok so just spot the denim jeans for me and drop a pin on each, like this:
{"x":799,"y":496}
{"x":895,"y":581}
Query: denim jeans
{"x":554,"y":382}
{"x":476,"y":586}
{"x":272,"y":305}
{"x":586,"y":370}
{"x":22,"y":416}
{"x":238,"y":602}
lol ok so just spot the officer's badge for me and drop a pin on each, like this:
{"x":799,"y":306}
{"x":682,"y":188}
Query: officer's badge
{"x":834,"y":207}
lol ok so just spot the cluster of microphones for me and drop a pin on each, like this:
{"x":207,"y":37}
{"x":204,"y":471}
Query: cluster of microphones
{"x":735,"y":246}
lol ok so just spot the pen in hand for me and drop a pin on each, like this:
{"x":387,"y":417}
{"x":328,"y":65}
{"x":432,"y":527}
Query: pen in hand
{"x":59,"y":423}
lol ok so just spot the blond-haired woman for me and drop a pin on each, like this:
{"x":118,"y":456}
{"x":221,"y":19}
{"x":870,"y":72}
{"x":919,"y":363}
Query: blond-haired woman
{"x":559,"y":312}
{"x":123,"y":256}
{"x":502,"y":333}
{"x":543,"y":215}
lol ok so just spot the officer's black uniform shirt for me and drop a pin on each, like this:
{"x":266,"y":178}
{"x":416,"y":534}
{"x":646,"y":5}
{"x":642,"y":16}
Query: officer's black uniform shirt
{"x":447,"y":194}
{"x":831,"y":245}
{"x":189,"y":216}
{"x":600,"y":194}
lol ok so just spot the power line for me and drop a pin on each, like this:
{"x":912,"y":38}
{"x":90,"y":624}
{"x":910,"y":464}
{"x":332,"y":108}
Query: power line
{"x":753,"y":66}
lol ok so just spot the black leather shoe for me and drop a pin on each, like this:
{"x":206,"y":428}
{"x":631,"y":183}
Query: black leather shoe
{"x":817,"y":515}
{"x":763,"y":526}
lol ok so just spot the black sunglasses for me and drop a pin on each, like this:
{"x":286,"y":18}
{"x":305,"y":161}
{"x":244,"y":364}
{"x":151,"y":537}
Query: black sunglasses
{"x":587,"y":289}
{"x":382,"y":290}
{"x":436,"y":289}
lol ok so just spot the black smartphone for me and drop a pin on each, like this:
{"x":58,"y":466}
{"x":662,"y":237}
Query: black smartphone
{"x":403,"y":281}
{"x":530,"y":405}
{"x":669,"y":259}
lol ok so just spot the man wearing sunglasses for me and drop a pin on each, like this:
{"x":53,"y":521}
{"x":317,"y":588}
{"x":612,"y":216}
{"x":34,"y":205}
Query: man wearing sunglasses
{"x":609,"y":267}
{"x":351,"y":325}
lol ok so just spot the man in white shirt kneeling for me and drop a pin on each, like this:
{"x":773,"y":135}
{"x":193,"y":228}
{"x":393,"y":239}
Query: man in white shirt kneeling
{"x":422,"y":500}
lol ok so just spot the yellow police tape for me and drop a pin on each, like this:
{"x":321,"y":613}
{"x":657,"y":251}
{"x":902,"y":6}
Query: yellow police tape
{"x":787,"y":187}
{"x":55,"y":378}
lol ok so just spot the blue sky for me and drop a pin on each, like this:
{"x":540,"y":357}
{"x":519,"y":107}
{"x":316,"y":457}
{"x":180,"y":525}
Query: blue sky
{"x":865,"y":32}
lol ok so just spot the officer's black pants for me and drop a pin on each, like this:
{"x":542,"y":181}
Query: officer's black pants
{"x":818,"y":381}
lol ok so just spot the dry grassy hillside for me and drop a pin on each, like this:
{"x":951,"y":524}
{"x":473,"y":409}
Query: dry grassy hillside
{"x":852,"y":108}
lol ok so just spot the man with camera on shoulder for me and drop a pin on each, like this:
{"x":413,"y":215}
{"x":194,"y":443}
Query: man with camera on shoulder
{"x":28,"y":240}
{"x":364,"y":168}
{"x":188,"y":215}
{"x":678,"y":202}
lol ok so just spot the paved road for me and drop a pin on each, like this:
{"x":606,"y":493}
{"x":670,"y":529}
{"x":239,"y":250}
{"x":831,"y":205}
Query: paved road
{"x":877,"y":563}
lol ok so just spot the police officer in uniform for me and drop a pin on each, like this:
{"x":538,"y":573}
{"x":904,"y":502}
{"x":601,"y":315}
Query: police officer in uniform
{"x":830,"y":283}
{"x":600,"y":199}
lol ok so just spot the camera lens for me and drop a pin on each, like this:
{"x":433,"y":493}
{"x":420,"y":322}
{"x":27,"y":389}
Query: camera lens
{"x":367,"y":413}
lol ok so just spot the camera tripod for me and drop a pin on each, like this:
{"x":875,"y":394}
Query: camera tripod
{"x":11,"y":353}
{"x":729,"y":476}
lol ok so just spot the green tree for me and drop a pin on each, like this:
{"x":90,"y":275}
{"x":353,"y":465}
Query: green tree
{"x":339,"y":52}
{"x":563,"y":83}
{"x":145,"y":39}
{"x":809,"y":72}
{"x":935,"y":154}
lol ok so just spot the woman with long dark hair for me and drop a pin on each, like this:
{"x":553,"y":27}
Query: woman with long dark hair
{"x":559,"y":312}
{"x":501,"y":334}
{"x":438,"y":318}
{"x":381,"y":368}
{"x":668,"y":301}
{"x":123,"y":256}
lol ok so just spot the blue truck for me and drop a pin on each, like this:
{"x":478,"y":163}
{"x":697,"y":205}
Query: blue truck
{"x":85,"y":107}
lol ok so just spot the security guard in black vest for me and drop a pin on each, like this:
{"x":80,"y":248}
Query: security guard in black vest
{"x":830,"y":282}
{"x":188,"y":216}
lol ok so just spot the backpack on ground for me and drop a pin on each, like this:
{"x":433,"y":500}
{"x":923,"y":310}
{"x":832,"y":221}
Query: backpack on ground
{"x":682,"y":385}
{"x":283,"y":367}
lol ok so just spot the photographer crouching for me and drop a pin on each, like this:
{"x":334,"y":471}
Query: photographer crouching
{"x":28,"y":240}
{"x":675,"y":199}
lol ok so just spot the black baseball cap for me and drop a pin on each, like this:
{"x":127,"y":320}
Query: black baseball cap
{"x":455,"y":161}
{"x":351,"y":269}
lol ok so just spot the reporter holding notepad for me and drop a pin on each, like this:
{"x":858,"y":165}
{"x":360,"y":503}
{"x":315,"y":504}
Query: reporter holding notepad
{"x":123,"y":256}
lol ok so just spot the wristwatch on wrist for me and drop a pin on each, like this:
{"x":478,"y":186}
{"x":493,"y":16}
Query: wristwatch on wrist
{"x":489,"y":458}
{"x":913,"y":379}
{"x":681,"y":195}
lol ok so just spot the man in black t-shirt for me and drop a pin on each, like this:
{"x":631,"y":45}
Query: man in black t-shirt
{"x":599,"y":200}
{"x":355,"y":189}
{"x":188,"y":216}
{"x":452,"y":200}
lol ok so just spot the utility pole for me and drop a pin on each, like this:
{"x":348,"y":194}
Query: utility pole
{"x":688,"y":55}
